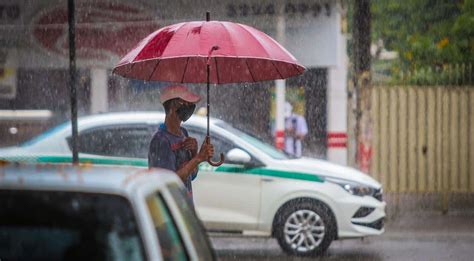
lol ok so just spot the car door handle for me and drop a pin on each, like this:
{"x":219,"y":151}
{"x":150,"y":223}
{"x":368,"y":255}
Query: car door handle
{"x":267,"y":180}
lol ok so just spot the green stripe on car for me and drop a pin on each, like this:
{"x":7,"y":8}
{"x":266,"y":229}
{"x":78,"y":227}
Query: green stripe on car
{"x":229,"y":168}
{"x":270,"y":173}
{"x":102,"y":161}
{"x":68,"y":159}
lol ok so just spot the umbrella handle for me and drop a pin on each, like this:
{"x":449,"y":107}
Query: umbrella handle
{"x":215,"y":164}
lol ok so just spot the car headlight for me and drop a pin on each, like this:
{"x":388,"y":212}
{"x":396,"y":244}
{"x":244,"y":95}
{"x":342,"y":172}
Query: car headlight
{"x":353,"y":188}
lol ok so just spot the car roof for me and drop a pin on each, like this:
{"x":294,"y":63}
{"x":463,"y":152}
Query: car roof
{"x":150,"y":117}
{"x":115,"y":119}
{"x":81,"y":178}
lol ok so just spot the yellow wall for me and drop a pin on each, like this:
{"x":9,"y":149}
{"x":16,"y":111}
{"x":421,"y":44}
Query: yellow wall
{"x":424,"y":138}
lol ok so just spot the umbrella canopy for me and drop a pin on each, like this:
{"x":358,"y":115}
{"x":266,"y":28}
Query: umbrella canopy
{"x":180,"y":52}
{"x":208,"y":52}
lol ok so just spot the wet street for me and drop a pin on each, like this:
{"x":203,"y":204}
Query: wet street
{"x":430,"y":236}
{"x":390,"y":247}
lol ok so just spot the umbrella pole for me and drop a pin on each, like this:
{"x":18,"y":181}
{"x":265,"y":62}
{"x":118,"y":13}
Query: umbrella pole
{"x":208,"y":67}
{"x":208,"y":137}
{"x":208,"y":64}
{"x":208,"y":107}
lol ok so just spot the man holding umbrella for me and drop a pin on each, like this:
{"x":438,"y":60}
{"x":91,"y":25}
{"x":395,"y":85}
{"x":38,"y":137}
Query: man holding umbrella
{"x":171,"y":147}
{"x":211,"y":52}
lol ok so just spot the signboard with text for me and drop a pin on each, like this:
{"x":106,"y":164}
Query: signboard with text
{"x":107,"y":29}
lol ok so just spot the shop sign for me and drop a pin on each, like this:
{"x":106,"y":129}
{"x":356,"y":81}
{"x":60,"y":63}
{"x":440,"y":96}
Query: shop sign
{"x":9,"y":12}
{"x":105,"y":30}
{"x":269,"y":9}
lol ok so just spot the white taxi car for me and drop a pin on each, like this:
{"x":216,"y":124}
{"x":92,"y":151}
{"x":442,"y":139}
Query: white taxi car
{"x":97,"y":213}
{"x":305,"y":203}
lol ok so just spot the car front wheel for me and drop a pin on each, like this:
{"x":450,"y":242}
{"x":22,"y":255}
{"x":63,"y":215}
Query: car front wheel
{"x":305,"y":228}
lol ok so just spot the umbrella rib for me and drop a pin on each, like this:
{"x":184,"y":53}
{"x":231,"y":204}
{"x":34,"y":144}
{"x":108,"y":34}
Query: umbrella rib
{"x":131,"y":67}
{"x":250,"y":71}
{"x":257,"y":40}
{"x":228,"y":35}
{"x":296,"y":68}
{"x":179,"y":26}
{"x":264,"y":49}
{"x":281,"y":75}
{"x":154,"y":69}
{"x":185,"y":68}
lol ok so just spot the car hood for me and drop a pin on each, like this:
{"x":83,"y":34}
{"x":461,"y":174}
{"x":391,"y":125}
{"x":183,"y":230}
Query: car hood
{"x":22,"y":153}
{"x":11,"y":151}
{"x":324,"y":168}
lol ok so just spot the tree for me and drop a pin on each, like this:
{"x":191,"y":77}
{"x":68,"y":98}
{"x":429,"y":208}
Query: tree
{"x":426,"y":32}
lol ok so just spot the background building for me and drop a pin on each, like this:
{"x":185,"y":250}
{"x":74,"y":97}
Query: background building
{"x":34,"y":58}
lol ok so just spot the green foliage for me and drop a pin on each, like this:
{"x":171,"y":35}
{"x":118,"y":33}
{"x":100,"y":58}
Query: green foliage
{"x":448,"y":75}
{"x":425,"y":33}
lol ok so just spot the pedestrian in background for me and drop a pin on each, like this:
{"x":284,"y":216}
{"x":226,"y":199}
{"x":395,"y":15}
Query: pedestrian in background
{"x":296,"y":129}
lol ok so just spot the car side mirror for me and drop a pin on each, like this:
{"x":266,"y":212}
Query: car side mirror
{"x":238,"y":156}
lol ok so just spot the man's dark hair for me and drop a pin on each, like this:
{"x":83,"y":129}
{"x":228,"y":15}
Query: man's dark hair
{"x":167,"y":104}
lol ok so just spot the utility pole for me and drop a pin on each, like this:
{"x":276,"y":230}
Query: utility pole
{"x":72,"y":80}
{"x":280,"y":86}
{"x":362,"y":84}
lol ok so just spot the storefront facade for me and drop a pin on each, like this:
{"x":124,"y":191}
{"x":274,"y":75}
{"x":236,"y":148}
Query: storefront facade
{"x":34,"y":58}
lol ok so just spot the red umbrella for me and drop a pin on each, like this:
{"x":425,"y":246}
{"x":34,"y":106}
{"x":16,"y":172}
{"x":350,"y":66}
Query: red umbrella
{"x":208,"y":52}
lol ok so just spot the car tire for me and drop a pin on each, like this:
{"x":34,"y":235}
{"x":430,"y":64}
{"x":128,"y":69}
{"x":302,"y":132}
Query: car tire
{"x":304,"y":227}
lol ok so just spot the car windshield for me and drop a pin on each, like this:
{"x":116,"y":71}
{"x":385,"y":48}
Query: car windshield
{"x":192,"y":223}
{"x":45,"y":134}
{"x":258,"y":144}
{"x":53,"y":225}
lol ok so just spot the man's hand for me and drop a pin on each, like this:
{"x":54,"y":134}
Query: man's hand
{"x":206,"y":151}
{"x":299,"y":136}
{"x":290,"y":132}
{"x":191,"y":145}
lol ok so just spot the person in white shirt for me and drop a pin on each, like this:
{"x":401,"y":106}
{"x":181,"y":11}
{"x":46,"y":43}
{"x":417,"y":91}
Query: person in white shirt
{"x":296,"y":129}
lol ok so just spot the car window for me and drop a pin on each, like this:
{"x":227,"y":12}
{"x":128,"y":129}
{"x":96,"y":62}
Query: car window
{"x":53,"y":225}
{"x":193,"y":224}
{"x":220,"y":145}
{"x":117,"y":141}
{"x":255,"y":142}
{"x":46,"y":134}
{"x":171,"y":244}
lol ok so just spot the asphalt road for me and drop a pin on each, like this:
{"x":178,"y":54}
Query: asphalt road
{"x":427,"y":237}
{"x":384,"y":248}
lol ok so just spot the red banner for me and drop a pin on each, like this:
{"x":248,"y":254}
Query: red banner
{"x":104,"y":29}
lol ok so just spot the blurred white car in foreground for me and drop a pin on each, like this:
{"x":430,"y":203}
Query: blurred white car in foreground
{"x":305,"y":203}
{"x":97,"y":213}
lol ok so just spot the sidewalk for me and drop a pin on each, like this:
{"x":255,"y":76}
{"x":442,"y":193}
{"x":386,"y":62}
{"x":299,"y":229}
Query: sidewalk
{"x":431,"y":223}
{"x":420,"y":215}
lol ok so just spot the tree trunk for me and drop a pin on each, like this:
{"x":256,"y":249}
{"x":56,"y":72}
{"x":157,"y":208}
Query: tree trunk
{"x":362,"y":84}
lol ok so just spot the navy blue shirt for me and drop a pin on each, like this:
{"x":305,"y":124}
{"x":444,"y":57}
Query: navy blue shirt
{"x":166,"y":151}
